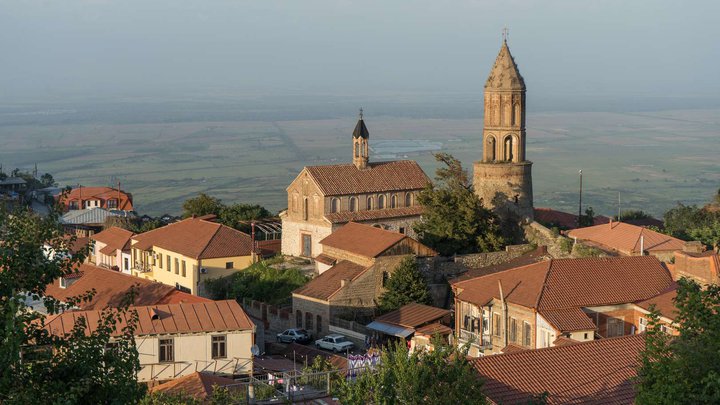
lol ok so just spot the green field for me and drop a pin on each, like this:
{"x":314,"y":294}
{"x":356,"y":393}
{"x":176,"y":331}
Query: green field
{"x":652,"y":159}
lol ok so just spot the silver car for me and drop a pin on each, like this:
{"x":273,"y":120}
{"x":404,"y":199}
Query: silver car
{"x":293,"y":335}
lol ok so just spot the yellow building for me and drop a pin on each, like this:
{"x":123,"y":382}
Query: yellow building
{"x":187,"y":253}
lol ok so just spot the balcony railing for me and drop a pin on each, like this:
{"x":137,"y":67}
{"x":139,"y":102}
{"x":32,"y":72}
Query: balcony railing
{"x":475,"y":339}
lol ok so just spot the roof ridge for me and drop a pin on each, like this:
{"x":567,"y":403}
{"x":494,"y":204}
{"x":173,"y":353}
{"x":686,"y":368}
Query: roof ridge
{"x":544,"y":285}
{"x":207,"y":245}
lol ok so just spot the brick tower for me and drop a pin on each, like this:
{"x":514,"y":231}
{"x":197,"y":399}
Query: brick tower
{"x":503,"y":178}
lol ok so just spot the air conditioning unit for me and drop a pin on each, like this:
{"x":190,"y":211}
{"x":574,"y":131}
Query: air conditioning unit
{"x":203,"y":270}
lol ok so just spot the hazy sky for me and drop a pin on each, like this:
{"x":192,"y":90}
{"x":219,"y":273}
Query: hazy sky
{"x":58,"y":49}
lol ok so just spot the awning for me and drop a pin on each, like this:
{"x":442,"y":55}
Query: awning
{"x":390,"y":329}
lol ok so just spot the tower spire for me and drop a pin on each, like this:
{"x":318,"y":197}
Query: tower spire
{"x":361,"y":138}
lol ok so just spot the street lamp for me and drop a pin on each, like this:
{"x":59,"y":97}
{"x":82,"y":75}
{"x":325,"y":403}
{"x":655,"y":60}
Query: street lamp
{"x":580,"y":200}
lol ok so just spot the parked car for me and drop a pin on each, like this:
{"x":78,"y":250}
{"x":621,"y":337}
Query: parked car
{"x":294,"y":335}
{"x":336,"y":343}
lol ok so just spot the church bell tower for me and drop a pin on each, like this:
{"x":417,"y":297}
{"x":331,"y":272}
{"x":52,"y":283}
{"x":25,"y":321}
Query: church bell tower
{"x":361,"y":149}
{"x":503,"y":177}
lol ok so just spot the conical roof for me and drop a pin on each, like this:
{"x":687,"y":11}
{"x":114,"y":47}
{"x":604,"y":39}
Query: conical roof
{"x":361,"y":130}
{"x":505,"y":74}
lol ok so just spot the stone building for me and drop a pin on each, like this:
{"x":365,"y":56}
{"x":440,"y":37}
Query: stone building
{"x":323,"y":198}
{"x":363,"y":259}
{"x":503,"y":178}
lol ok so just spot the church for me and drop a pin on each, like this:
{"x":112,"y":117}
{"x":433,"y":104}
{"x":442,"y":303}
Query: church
{"x":324,"y":198}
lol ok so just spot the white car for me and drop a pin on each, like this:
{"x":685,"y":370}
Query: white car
{"x":336,"y":343}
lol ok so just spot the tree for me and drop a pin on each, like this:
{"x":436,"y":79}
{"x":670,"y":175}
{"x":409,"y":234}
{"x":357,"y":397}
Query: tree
{"x":201,"y":205}
{"x":684,"y":369}
{"x":588,"y":219}
{"x":441,"y":376}
{"x":689,"y":222}
{"x":633,"y":214}
{"x":236,"y":215}
{"x":454,"y":220}
{"x":405,"y":285}
{"x":47,"y":180}
{"x":35,"y":366}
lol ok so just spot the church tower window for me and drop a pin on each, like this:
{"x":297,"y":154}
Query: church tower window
{"x":353,"y":204}
{"x":408,"y":199}
{"x":334,"y":203}
{"x":393,"y":201}
{"x":370,"y":203}
{"x":381,"y":201}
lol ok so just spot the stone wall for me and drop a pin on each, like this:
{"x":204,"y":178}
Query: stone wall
{"x":292,"y":236}
{"x":275,"y":319}
{"x":506,"y":188}
{"x":558,"y":246}
{"x":309,"y":310}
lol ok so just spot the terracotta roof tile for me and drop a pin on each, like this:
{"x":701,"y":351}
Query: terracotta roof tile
{"x":324,"y":286}
{"x":568,"y":319}
{"x":212,"y":316}
{"x":596,"y":372}
{"x":549,"y":216}
{"x":664,"y":302}
{"x":625,"y":238}
{"x":364,"y":240}
{"x":346,"y":179}
{"x":433,"y":329}
{"x":197,"y":385}
{"x":565,"y":341}
{"x":370,"y":215}
{"x":111,"y":288}
{"x":114,"y":238}
{"x":521,"y":285}
{"x":89,"y":193}
{"x":325,"y":259}
{"x":196,"y":238}
{"x":413,"y":315}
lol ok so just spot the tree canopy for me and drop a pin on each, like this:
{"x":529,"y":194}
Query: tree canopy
{"x":405,"y":285}
{"x":201,"y":205}
{"x":441,"y":376}
{"x":690,"y":222}
{"x":684,"y":369}
{"x":454,"y":220}
{"x":234,"y":216}
{"x":34,"y":365}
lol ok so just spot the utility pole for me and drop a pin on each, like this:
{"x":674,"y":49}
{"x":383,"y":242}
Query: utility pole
{"x":580,"y":201}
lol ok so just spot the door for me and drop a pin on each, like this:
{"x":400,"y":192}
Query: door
{"x":306,"y":246}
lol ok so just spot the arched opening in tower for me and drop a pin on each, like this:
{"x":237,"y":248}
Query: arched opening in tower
{"x":508,"y":149}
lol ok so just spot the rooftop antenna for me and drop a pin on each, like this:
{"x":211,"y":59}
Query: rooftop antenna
{"x":361,"y":113}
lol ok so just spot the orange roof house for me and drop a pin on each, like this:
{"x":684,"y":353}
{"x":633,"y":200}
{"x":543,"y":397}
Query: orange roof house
{"x":597,"y":372}
{"x":197,"y":385}
{"x":102,"y":197}
{"x":580,"y":299}
{"x":112,"y":249}
{"x":360,"y":259}
{"x":185,"y":253}
{"x":629,"y":240}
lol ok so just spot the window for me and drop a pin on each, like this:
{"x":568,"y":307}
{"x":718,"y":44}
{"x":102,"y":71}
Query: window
{"x":167,"y":351}
{"x":229,"y":265}
{"x":508,"y":151}
{"x":665,"y":329}
{"x":306,"y":245}
{"x":305,"y":209}
{"x":73,"y":205}
{"x":385,"y":278}
{"x":643,"y":325}
{"x":408,"y":199}
{"x":318,"y":323}
{"x":177,"y":266}
{"x":152,"y":256}
{"x":334,"y":205}
{"x":615,"y":327}
{"x":527,"y":334}
{"x":184,"y":268}
{"x":63,"y":283}
{"x":167,"y":261}
{"x":513,"y":330}
{"x":370,"y":203}
{"x":393,"y":201}
{"x":402,"y":230}
{"x":308,"y":320}
{"x":496,"y":324}
{"x":219,"y":347}
{"x":298,"y":319}
{"x":126,"y":264}
{"x":112,"y":203}
{"x":381,"y":202}
{"x":353,"y":204}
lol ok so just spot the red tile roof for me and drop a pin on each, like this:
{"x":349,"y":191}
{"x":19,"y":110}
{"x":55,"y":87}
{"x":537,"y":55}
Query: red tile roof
{"x":346,"y":179}
{"x":111,"y":288}
{"x":197,"y":385}
{"x":521,"y":285}
{"x":551,"y":217}
{"x":371,"y":215}
{"x":413,"y":315}
{"x":180,"y":297}
{"x":196,"y":238}
{"x":596,"y":372}
{"x":101,"y":193}
{"x":364,"y":240}
{"x":568,"y":319}
{"x":664,"y":302}
{"x":534,"y":256}
{"x":114,"y":238}
{"x":324,"y":286}
{"x":213,"y":316}
{"x":433,"y":329}
{"x":626,"y":238}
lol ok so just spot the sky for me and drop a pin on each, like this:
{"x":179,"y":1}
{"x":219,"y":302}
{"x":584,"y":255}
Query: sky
{"x":101,"y":49}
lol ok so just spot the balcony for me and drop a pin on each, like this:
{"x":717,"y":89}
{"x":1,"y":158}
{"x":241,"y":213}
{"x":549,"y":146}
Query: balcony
{"x":482,"y":342}
{"x":142,"y":267}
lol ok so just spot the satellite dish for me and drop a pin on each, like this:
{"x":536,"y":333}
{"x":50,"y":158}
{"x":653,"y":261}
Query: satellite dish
{"x":255,"y":350}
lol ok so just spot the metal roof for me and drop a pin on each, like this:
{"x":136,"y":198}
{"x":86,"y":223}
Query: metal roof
{"x":389,"y":329}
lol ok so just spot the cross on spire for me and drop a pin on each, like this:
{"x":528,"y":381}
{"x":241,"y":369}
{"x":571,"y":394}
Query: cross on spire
{"x":361,"y":113}
{"x":505,"y":33}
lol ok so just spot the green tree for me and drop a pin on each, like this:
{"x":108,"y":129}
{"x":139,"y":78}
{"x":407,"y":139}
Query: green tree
{"x":634,"y":214}
{"x":201,"y":205}
{"x":236,"y":215}
{"x":35,"y":366}
{"x":454,"y":220}
{"x":441,"y":376}
{"x":405,"y":285}
{"x":588,"y":219}
{"x":684,"y":369}
{"x":47,"y":180}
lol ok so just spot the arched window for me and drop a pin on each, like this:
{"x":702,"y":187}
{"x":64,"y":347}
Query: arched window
{"x":408,"y":199}
{"x":318,"y":324}
{"x":381,"y":201}
{"x":334,"y":203}
{"x":490,"y":149}
{"x":370,"y":203}
{"x":308,"y":321}
{"x":393,"y":201}
{"x":508,"y":149}
{"x":305,"y":209}
{"x":298,"y":319}
{"x":353,"y":204}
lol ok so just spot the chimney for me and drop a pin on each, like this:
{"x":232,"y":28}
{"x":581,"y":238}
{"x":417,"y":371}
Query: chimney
{"x":642,"y":245}
{"x":610,"y":223}
{"x":344,"y":282}
{"x":154,"y":314}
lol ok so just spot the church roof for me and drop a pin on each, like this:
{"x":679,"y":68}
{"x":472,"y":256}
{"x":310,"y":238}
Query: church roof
{"x":361,"y":130}
{"x":344,"y":179}
{"x":505,"y":74}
